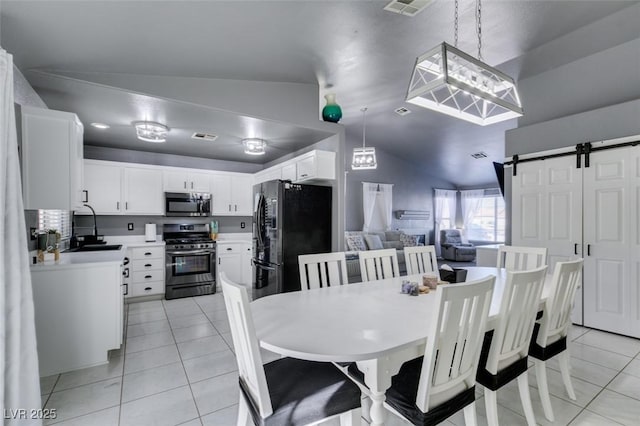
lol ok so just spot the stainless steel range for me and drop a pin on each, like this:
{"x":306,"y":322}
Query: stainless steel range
{"x":190,"y":260}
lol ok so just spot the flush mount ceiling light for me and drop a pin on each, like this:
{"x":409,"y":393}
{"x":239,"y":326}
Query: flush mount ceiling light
{"x":150,"y":131}
{"x":254,"y":146}
{"x":364,"y":158}
{"x":100,"y":126}
{"x":450,"y":81}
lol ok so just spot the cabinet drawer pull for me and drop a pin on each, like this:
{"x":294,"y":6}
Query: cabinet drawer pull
{"x":229,"y":207}
{"x":575,"y":248}
{"x":86,"y":198}
{"x":148,"y":253}
{"x":126,"y":286}
{"x":304,"y":175}
{"x":125,"y":273}
{"x":191,"y":185}
{"x":147,"y":288}
{"x":126,"y":205}
{"x":185,"y":184}
{"x":146,"y":277}
{"x":148,"y":265}
{"x":229,"y":249}
{"x":236,"y":207}
{"x":118,"y":205}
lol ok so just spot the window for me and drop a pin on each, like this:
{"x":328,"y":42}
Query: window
{"x":488,"y":222}
{"x":55,"y":219}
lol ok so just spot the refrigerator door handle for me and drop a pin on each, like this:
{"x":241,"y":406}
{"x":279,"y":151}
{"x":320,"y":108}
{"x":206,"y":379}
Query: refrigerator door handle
{"x":268,"y":266}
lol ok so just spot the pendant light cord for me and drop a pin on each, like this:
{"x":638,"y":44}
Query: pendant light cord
{"x":455,"y":25}
{"x":479,"y":26}
{"x":364,"y":124}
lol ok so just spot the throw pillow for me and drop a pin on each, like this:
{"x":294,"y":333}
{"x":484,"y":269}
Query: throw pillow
{"x":355,"y":242}
{"x":373,"y":242}
{"x":392,"y":244}
{"x":409,"y":240}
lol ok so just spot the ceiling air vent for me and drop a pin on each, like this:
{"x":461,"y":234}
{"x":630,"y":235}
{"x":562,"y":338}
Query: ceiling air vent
{"x":479,"y":155}
{"x":407,"y":7}
{"x":402,"y":111}
{"x":204,"y":136}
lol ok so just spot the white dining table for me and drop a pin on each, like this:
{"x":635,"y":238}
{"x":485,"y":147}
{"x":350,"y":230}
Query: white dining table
{"x":371,"y":323}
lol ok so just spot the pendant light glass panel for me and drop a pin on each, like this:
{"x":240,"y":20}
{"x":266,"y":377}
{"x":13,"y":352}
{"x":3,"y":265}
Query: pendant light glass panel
{"x":447,"y":80}
{"x":364,"y":158}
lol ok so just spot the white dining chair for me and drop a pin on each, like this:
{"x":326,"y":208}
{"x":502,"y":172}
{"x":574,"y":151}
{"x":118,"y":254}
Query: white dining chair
{"x":285,"y":391}
{"x":429,"y":389}
{"x":517,"y":258}
{"x":550,"y":332}
{"x":322,"y":270}
{"x":505,"y":349}
{"x":421,"y":259}
{"x":378,"y":264}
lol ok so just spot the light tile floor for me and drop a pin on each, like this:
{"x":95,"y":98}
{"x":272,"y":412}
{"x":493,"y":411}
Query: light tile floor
{"x":177,"y":367}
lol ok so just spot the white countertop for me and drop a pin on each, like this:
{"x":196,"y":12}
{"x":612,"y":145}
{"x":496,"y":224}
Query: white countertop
{"x":235,"y":237}
{"x":80,"y":260}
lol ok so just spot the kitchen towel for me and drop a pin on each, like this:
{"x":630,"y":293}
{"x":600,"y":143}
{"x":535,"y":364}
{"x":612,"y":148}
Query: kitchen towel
{"x":150,"y":232}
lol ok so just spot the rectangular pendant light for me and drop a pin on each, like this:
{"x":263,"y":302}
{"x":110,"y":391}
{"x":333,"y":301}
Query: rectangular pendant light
{"x":364,"y":159}
{"x":447,"y":80}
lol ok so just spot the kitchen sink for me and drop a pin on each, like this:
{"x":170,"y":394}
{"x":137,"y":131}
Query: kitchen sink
{"x":95,"y":247}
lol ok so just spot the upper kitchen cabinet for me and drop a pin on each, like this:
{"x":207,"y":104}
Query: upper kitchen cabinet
{"x":316,"y":166}
{"x":103,"y":183}
{"x":176,"y":180}
{"x":115,"y":188}
{"x":52,"y":153}
{"x":231,"y":194}
{"x":143,"y":191}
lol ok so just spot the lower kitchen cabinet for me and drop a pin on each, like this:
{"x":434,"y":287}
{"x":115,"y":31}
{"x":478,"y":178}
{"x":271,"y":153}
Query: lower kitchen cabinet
{"x":145,"y":271}
{"x":78,"y":315}
{"x":234,"y":261}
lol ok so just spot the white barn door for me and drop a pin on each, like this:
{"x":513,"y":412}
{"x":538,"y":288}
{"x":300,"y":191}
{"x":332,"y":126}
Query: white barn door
{"x":547,"y":212}
{"x":611,"y":241}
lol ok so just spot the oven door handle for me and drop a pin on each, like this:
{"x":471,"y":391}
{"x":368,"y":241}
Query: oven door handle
{"x":207,"y":251}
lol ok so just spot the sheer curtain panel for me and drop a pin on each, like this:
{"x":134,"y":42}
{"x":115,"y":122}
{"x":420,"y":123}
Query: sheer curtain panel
{"x":18,"y":354}
{"x":471,"y":202}
{"x":445,"y":213}
{"x":377,"y":204}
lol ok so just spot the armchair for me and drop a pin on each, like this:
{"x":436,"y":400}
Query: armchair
{"x":452,"y":247}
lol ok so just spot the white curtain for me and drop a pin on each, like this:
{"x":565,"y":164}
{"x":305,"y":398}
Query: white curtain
{"x":377,"y":205}
{"x":471,"y":202}
{"x":18,"y":355}
{"x":444,"y":197}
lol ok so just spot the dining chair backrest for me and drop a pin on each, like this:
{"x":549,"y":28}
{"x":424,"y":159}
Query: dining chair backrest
{"x":557,"y":313}
{"x":456,"y":333}
{"x":514,"y":258}
{"x":518,"y":309}
{"x":378,"y":264}
{"x":421,"y":259}
{"x":322,"y":270}
{"x":246,"y":345}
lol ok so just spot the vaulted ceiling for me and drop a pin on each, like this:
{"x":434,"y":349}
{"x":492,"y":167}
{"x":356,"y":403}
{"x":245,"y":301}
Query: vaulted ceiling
{"x":352,"y":48}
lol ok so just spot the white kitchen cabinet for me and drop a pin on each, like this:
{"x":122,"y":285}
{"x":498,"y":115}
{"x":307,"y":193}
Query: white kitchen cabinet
{"x":78,"y":315}
{"x":316,"y":165}
{"x":231,"y":194}
{"x":177,"y":180}
{"x":143,"y":191}
{"x":272,"y":173}
{"x":229,"y":256}
{"x":289,"y":172}
{"x":247,"y":267}
{"x":145,"y":271}
{"x":52,"y":153}
{"x":103,"y":183}
{"x":115,"y":189}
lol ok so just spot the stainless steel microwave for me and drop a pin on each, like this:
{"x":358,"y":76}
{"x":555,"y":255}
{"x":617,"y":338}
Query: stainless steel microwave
{"x":187,"y":204}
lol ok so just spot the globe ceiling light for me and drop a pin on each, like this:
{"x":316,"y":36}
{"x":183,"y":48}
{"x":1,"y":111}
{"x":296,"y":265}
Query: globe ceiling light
{"x":150,"y":131}
{"x":364,"y":158}
{"x":254,"y":146}
{"x":450,"y":81}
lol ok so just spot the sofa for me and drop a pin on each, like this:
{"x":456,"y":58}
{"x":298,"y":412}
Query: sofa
{"x":452,"y":247}
{"x":356,"y":241}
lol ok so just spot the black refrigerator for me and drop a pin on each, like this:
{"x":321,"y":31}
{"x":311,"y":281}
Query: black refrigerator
{"x":289,"y":220}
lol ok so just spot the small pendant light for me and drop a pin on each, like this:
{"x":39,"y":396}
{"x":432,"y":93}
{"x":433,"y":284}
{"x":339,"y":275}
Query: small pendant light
{"x":364,"y":158}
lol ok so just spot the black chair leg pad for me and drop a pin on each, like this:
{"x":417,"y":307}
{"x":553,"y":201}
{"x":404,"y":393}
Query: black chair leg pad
{"x":546,"y":352}
{"x":304,"y":392}
{"x":404,"y":389}
{"x":504,"y":376}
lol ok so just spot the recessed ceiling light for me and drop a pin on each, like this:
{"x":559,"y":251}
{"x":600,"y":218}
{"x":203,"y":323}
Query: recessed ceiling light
{"x":407,"y":7}
{"x":402,"y":111}
{"x":204,"y":136}
{"x":100,"y":126}
{"x":479,"y":155}
{"x":150,"y":131}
